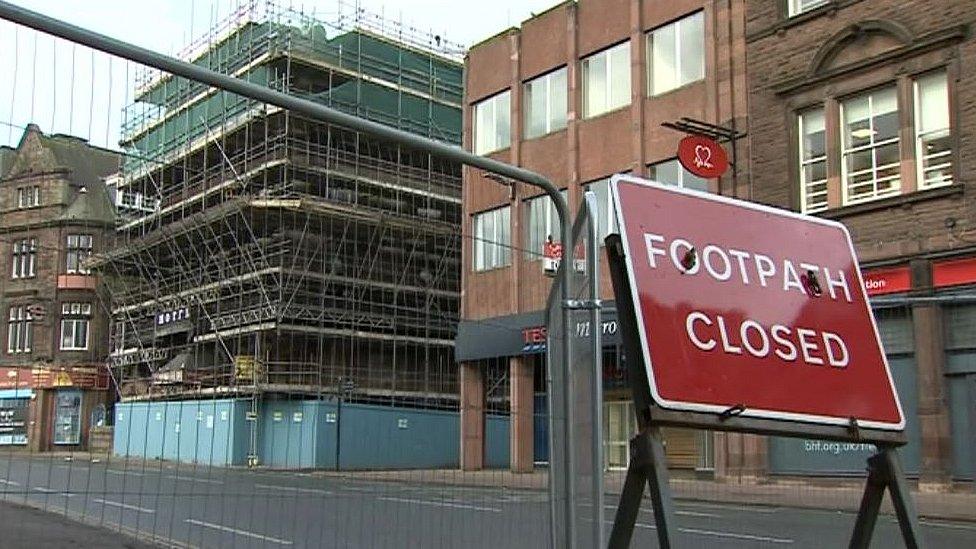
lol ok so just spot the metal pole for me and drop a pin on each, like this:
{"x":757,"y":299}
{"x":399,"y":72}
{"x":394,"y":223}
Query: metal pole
{"x":322,"y":113}
{"x":596,"y":449}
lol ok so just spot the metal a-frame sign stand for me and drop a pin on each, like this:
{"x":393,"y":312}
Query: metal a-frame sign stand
{"x":647,"y":459}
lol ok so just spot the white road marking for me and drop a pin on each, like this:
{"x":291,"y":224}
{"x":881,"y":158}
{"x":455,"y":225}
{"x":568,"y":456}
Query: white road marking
{"x":745,"y":508}
{"x":294,"y":489}
{"x":735,"y":536}
{"x":442,"y":504}
{"x":194,"y":479}
{"x":9,"y":482}
{"x":945,"y":525}
{"x":682,"y":513}
{"x":45,"y":490}
{"x":238,"y":532}
{"x":124,"y":506}
{"x":731,"y":535}
{"x":122,"y":472}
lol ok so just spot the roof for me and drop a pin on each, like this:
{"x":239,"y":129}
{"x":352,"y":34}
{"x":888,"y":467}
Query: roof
{"x":92,"y":203}
{"x":6,"y":158}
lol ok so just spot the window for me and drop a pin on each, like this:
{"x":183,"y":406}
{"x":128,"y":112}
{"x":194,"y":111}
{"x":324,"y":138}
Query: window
{"x":542,"y":222}
{"x":79,"y":249}
{"x":19,"y":330}
{"x":606,"y":217}
{"x":606,"y":80}
{"x":796,"y":7}
{"x":932,"y":137}
{"x":492,"y":123}
{"x":545,"y":104}
{"x":676,"y":54}
{"x":871,"y":155}
{"x":671,"y":172}
{"x":813,"y":161}
{"x":492,"y":239}
{"x":75,"y":319}
{"x":28,"y":197}
{"x":24,"y":258}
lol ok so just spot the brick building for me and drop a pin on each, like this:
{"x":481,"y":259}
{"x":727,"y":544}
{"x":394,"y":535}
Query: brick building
{"x":55,"y":213}
{"x":577,"y":93}
{"x":864,"y":111}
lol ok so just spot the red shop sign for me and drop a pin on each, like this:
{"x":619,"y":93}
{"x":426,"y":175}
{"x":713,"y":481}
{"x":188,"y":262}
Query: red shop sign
{"x":740,"y":304}
{"x":955,"y":272}
{"x":702,"y":156}
{"x":888,"y":281}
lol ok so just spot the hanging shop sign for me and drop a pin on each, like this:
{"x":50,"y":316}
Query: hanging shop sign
{"x":746,"y":308}
{"x":702,"y":156}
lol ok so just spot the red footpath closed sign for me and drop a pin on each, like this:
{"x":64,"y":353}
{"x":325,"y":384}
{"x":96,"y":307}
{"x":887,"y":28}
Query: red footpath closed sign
{"x":742,"y":305}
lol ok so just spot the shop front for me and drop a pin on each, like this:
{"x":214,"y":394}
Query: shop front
{"x":63,"y":404}
{"x":523,"y":337}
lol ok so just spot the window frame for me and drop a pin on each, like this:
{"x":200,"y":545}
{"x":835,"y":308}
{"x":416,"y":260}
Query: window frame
{"x":795,"y":8}
{"x":499,"y":259}
{"x":492,"y":102}
{"x":552,"y":227}
{"x":78,"y":252}
{"x":682,"y":173}
{"x":75,"y":314}
{"x":606,"y":226}
{"x":550,"y":125}
{"x":608,"y":81}
{"x":872,"y":146}
{"x":920,"y":181}
{"x":24,"y":259}
{"x":649,"y":53}
{"x":20,"y":330}
{"x":803,"y":163}
{"x":28,"y":197}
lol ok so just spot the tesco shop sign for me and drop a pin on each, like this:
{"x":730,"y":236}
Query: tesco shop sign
{"x":741,"y":305}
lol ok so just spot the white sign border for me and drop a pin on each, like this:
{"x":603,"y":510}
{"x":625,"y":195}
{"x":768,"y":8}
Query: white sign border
{"x":748,"y":412}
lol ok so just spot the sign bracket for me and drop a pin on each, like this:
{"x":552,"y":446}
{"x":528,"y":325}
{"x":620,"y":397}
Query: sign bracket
{"x":647,"y":465}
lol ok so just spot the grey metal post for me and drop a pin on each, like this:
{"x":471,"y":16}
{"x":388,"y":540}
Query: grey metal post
{"x":321,"y":113}
{"x":596,"y":326}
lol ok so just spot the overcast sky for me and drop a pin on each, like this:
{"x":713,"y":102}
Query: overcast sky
{"x":37,"y":69}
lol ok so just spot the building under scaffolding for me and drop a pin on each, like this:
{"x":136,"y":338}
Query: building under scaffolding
{"x":263,"y":256}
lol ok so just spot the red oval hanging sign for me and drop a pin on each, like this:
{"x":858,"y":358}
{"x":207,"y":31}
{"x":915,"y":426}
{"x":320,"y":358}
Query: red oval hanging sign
{"x":702,"y":156}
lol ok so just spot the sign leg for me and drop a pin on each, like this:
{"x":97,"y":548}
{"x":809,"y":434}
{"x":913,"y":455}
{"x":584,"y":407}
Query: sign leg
{"x":647,"y":464}
{"x":629,"y":506}
{"x":901,"y":498}
{"x":867,"y":514}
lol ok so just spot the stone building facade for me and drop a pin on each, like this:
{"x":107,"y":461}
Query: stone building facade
{"x":864,"y":111}
{"x":55,"y":214}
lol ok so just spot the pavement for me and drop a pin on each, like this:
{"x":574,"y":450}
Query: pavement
{"x":186,"y":506}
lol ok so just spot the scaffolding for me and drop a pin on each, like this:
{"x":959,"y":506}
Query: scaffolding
{"x":266,"y":253}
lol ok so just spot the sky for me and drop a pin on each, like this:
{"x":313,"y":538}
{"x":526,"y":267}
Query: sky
{"x":66,"y":88}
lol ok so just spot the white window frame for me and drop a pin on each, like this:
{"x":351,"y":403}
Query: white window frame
{"x":682,"y":174}
{"x":679,"y":60}
{"x":554,"y":120}
{"x":491,"y":251}
{"x":550,"y":222}
{"x":73,"y":315}
{"x":609,"y":85}
{"x":28,"y":197}
{"x":24,"y":264}
{"x":78,"y":251}
{"x":920,"y":136}
{"x":873,"y":147}
{"x":796,"y":7}
{"x":803,"y":162}
{"x":20,"y":330}
{"x":491,"y":104}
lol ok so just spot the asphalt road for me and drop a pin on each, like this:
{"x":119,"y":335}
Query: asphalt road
{"x":186,"y":506}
